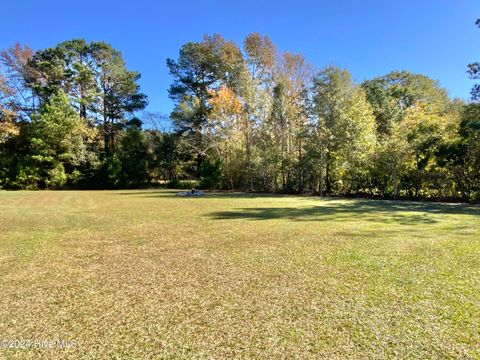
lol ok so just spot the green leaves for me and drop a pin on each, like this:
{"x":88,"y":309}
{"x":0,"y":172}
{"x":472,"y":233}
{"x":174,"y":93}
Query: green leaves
{"x":344,"y":128}
{"x":58,"y":141}
{"x":250,"y":118}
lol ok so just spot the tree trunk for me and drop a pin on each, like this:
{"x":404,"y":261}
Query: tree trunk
{"x":328,"y":180}
{"x":320,"y":185}
{"x":394,"y":182}
{"x":83,"y":111}
{"x":199,"y":163}
{"x":106,"y":125}
{"x":248,"y":156}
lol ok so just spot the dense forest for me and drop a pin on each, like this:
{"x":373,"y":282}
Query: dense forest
{"x":246,"y":117}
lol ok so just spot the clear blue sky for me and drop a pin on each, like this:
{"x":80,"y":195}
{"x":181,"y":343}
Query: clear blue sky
{"x":370,"y":38}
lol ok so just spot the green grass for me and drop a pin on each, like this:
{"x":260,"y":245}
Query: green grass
{"x":144,"y":274}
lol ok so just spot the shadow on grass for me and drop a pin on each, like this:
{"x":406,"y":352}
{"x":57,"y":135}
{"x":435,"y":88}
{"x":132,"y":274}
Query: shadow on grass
{"x":382,"y":211}
{"x":338,"y":209}
{"x":208,"y":195}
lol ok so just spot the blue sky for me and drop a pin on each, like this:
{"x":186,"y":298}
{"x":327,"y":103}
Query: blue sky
{"x":370,"y":38}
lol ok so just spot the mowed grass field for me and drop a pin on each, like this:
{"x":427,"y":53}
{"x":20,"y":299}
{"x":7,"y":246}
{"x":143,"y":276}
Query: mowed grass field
{"x":144,"y":274}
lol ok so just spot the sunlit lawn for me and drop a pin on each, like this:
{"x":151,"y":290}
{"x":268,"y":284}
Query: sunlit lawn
{"x":144,"y":274}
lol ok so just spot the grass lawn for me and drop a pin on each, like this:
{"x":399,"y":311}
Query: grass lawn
{"x":144,"y":274}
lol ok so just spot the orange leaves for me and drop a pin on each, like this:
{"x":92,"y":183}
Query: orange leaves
{"x":225,"y":104}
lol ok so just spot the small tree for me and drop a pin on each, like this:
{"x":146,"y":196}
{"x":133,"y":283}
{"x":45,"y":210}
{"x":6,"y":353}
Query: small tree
{"x":59,"y":143}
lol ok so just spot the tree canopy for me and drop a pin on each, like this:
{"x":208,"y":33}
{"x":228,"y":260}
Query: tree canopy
{"x":246,"y":117}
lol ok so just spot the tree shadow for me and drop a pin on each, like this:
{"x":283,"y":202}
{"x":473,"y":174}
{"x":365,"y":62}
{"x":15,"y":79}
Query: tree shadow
{"x":382,"y":211}
{"x":208,"y":195}
{"x":148,"y":193}
{"x":338,"y":209}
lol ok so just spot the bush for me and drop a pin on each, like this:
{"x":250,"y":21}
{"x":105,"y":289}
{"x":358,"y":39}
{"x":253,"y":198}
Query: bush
{"x":210,"y":174}
{"x":182,"y":184}
{"x":56,"y":177}
{"x":110,"y":172}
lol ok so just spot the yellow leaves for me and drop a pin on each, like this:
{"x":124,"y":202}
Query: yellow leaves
{"x":226,"y":116}
{"x":420,"y":112}
{"x":8,"y":128}
{"x":225,"y":104}
{"x":433,"y":116}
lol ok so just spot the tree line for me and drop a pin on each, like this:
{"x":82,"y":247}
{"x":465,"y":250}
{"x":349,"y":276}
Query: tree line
{"x":246,"y":117}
